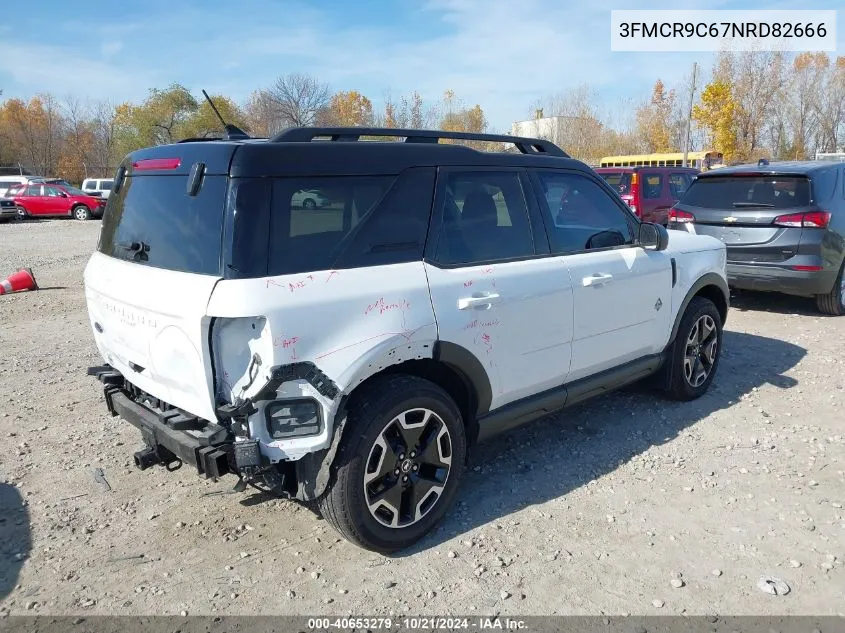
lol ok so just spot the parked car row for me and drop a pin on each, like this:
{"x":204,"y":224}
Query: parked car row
{"x":53,"y":200}
{"x":28,"y":196}
{"x":783,"y":225}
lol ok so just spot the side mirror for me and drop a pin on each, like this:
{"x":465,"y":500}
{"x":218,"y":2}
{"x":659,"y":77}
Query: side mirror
{"x":653,"y":236}
{"x":63,"y":194}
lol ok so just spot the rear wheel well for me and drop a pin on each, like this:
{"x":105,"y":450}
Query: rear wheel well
{"x":449,"y":378}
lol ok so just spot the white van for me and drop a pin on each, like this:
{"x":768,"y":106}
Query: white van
{"x":100,"y":187}
{"x":7,"y":181}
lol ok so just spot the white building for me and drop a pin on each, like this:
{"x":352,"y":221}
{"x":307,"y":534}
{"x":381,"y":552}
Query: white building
{"x":550,"y":128}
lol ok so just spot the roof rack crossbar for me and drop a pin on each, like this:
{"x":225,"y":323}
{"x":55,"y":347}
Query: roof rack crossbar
{"x":523,"y":144}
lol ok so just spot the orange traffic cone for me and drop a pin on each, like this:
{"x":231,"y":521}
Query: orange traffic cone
{"x":21,"y":280}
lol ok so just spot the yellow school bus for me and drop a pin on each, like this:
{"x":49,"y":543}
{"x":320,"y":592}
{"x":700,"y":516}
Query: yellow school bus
{"x":699,"y":160}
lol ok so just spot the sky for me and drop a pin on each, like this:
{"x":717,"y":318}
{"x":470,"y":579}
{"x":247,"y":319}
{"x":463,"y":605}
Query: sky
{"x":501,"y":54}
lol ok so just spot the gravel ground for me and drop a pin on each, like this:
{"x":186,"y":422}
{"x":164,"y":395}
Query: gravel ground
{"x":628,"y":504}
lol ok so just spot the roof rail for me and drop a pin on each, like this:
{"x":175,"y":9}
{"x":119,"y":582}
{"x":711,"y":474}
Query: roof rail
{"x":523,"y":144}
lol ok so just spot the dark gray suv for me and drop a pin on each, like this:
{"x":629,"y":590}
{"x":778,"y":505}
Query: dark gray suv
{"x":783,"y":225}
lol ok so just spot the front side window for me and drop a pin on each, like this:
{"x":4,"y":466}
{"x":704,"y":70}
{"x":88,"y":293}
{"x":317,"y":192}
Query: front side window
{"x":581,"y":214}
{"x":484,"y":219}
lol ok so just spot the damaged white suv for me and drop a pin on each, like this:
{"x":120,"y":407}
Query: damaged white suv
{"x":353,"y":351}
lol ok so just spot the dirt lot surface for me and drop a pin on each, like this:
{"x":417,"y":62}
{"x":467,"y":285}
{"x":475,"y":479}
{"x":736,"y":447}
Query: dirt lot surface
{"x":628,"y":504}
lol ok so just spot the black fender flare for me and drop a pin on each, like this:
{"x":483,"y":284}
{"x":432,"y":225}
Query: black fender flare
{"x":708,"y":279}
{"x":467,"y":364}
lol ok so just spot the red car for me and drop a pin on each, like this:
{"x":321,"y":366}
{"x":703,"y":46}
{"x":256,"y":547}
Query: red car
{"x":45,"y":200}
{"x":649,"y":191}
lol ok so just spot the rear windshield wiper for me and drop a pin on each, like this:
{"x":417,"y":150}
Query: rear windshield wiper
{"x":754,"y":204}
{"x":138,"y":249}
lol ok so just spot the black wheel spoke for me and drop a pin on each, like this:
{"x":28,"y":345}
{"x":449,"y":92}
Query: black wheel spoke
{"x":415,"y":494}
{"x":413,"y":424}
{"x":388,"y":498}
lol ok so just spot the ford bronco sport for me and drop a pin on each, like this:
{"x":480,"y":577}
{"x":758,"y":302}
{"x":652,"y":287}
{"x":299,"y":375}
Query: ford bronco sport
{"x":352,"y":353}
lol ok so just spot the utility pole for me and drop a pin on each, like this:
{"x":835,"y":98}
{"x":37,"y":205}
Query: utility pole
{"x":689,"y":113}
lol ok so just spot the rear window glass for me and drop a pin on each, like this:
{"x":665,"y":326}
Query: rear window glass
{"x":620,"y":181}
{"x":725,"y":192}
{"x":153,"y":221}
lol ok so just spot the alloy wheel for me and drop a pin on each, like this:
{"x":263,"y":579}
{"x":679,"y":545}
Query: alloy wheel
{"x":407,"y":468}
{"x":700,"y":352}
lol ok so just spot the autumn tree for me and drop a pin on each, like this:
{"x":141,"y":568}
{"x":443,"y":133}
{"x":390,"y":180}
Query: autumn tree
{"x":204,"y":122}
{"x":349,"y":109}
{"x":33,"y":131}
{"x":655,"y":119}
{"x":717,"y":114}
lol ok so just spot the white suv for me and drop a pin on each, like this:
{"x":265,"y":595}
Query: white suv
{"x":353,"y":352}
{"x":100,"y":187}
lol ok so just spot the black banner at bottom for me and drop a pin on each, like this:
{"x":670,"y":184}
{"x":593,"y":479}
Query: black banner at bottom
{"x":426,"y":624}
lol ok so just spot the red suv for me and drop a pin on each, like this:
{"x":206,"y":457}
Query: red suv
{"x":649,"y":191}
{"x":43,"y":200}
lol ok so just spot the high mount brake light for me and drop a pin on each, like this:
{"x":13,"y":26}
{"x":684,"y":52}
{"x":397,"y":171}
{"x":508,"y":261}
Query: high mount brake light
{"x":148,"y":164}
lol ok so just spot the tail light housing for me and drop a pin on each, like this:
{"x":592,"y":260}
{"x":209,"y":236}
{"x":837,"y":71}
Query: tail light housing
{"x":680,"y":217}
{"x":808,"y":220}
{"x":635,"y":194}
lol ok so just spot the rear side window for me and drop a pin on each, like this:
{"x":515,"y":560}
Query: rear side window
{"x":652,"y":186}
{"x":106,"y":185}
{"x":620,"y":181}
{"x":824,"y":185}
{"x":678,"y":184}
{"x":321,"y":223}
{"x":154,"y":222}
{"x":732,"y":192}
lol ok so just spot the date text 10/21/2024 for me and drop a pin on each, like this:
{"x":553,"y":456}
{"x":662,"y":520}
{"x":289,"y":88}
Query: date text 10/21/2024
{"x":418,"y":624}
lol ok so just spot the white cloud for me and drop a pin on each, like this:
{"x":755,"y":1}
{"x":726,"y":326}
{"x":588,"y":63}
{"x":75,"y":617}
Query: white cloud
{"x":110,"y":48}
{"x":65,"y":71}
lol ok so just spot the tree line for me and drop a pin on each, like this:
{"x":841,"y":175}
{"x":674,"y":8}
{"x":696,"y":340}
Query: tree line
{"x":77,"y":140}
{"x":752,"y":104}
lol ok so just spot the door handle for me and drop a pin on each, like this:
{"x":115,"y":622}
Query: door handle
{"x":478,"y":299}
{"x":597,"y":279}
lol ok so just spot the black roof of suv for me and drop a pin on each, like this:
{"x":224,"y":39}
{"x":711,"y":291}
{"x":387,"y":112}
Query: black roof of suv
{"x":308,"y":151}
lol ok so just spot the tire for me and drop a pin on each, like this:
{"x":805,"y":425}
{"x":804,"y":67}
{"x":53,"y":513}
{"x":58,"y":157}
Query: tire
{"x":23,"y":214}
{"x":833,"y":302}
{"x":372,"y":441}
{"x":81,"y":212}
{"x":689,"y":358}
{"x":309,"y":203}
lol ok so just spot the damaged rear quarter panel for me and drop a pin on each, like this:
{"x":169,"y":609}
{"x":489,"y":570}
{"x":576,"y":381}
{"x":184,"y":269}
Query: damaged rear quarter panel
{"x":350,"y":323}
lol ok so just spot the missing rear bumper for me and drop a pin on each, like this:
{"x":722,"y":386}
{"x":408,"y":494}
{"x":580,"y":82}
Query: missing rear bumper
{"x":171,"y":436}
